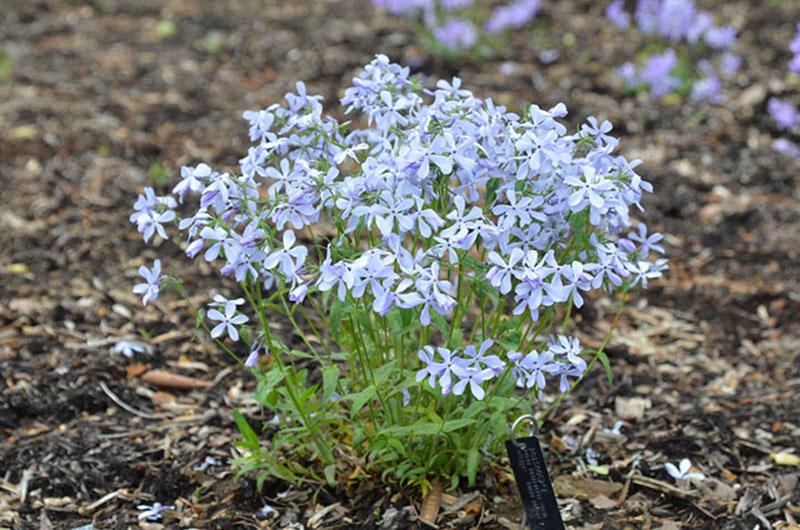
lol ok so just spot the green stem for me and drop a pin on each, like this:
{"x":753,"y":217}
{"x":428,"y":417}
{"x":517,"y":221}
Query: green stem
{"x":324,"y":449}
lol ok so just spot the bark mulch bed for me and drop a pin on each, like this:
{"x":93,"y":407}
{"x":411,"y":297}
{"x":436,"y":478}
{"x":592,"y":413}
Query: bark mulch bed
{"x":106,"y":96}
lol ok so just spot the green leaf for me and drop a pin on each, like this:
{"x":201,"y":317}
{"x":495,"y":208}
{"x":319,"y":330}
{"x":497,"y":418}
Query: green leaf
{"x":384,"y":372}
{"x":417,"y":429}
{"x":491,"y":190}
{"x":301,"y":354}
{"x":6,"y":66}
{"x":473,"y":458}
{"x":337,"y":312}
{"x":454,"y":425}
{"x":440,"y":323}
{"x":250,"y":436}
{"x":158,"y":174}
{"x":600,"y":470}
{"x":606,"y":365}
{"x":266,"y":384}
{"x":360,"y":399}
{"x":330,"y":474}
{"x":397,"y":446}
{"x":330,"y":378}
{"x":244,"y":331}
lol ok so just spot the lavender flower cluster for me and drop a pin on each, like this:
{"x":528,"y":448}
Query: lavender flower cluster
{"x":783,"y":111}
{"x":442,"y":190}
{"x":441,"y":366}
{"x":794,"y":47}
{"x":456,"y":25}
{"x":677,"y":22}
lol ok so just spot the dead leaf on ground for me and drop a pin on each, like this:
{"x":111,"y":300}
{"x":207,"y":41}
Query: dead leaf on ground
{"x":601,"y":502}
{"x":785,"y":458}
{"x":567,"y":486}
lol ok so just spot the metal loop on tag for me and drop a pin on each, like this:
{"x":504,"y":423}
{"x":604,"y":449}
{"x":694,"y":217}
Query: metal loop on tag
{"x":530,"y":418}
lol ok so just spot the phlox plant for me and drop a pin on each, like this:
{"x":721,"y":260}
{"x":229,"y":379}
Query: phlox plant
{"x":783,"y":111}
{"x":427,"y":255}
{"x":685,"y":52}
{"x":453,"y":28}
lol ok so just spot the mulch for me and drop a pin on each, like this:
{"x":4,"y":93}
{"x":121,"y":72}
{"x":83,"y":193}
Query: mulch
{"x":105,"y":97}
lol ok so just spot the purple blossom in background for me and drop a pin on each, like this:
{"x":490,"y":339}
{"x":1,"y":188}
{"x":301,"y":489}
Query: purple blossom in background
{"x":794,"y":47}
{"x":627,"y":73}
{"x":721,"y":38}
{"x":508,"y":68}
{"x":452,"y":5}
{"x":786,"y":147}
{"x":647,"y":15}
{"x":708,"y":88}
{"x":548,"y":56}
{"x":677,"y":21}
{"x":512,"y":16}
{"x":657,"y":73}
{"x":730,"y":63}
{"x":403,"y":7}
{"x":674,"y":19}
{"x":617,"y":15}
{"x":456,"y":34}
{"x":454,"y":25}
{"x":681,"y":20}
{"x":784,"y":113}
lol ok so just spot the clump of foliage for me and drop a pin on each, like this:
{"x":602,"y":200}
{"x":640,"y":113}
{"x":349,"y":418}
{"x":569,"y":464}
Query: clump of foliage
{"x":686,"y":53}
{"x":428,"y":263}
{"x":452,"y":28}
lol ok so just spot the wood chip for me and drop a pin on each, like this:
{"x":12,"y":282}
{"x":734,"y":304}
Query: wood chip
{"x":136,"y":369}
{"x":431,"y":504}
{"x":631,"y":408}
{"x":172,"y":380}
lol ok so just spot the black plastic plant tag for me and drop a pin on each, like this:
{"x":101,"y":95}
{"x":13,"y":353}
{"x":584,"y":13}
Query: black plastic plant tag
{"x":538,"y":498}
